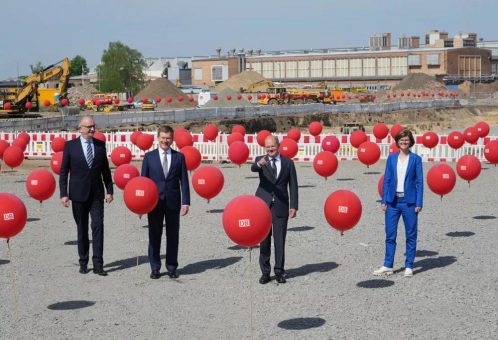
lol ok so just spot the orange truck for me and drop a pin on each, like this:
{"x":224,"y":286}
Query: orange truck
{"x":283,"y":95}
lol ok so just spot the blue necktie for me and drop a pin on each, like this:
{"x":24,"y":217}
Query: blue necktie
{"x":89,"y":153}
{"x":274,"y":167}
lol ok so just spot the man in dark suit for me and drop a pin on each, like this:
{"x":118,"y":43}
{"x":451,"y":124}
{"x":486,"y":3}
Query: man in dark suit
{"x":277,"y":182}
{"x":85,"y":161}
{"x":167,"y":168}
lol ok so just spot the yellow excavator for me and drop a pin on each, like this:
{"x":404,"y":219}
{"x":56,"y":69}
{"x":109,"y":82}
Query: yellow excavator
{"x":14,"y":99}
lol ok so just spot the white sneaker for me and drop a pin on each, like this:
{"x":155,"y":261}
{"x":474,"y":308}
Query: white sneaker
{"x":383,"y":271}
{"x":408,"y":272}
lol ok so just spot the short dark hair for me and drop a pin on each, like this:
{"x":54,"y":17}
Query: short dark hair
{"x":405,"y":133}
{"x":165,"y":129}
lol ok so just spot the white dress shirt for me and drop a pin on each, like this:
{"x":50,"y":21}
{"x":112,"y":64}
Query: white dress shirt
{"x":167,"y":153}
{"x":401,"y":172}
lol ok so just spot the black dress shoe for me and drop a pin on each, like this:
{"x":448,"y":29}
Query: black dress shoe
{"x":264,"y":279}
{"x":281,"y":279}
{"x":83,"y":270}
{"x":173,"y":275}
{"x":100,"y":272}
{"x":155,"y":274}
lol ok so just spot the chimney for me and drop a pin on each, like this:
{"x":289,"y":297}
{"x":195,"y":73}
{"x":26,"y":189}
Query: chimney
{"x":218,"y":52}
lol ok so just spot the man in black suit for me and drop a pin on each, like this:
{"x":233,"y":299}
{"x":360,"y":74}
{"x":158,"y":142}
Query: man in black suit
{"x":167,"y":168}
{"x":85,"y":161}
{"x":276,"y":175}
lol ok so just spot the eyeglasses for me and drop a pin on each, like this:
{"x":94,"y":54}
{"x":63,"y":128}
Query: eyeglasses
{"x":88,"y":126}
{"x":404,"y":141}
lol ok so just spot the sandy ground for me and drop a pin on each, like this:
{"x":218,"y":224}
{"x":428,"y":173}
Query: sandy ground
{"x":330,"y":293}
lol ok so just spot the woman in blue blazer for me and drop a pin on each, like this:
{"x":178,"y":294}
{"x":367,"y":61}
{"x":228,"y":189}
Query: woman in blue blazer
{"x":402,"y":193}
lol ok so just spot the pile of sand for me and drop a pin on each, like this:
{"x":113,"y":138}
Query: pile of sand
{"x":75,"y":93}
{"x":467,"y":87}
{"x":419,"y":81}
{"x":223,"y":100}
{"x":164,"y":88}
{"x":240,"y":81}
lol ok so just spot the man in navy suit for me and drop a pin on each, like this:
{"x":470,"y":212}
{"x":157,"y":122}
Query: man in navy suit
{"x":167,"y":168}
{"x":402,"y":195}
{"x":277,"y":179}
{"x":85,"y":161}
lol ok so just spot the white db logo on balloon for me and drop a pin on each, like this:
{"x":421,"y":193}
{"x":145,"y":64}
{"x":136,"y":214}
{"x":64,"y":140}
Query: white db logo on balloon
{"x":8,"y":216}
{"x":201,"y":181}
{"x":127,"y":176}
{"x":34,"y":182}
{"x":342,"y":209}
{"x":319,"y":162}
{"x":122,"y":155}
{"x":244,"y":223}
{"x":140,"y":193}
{"x":446,"y":176}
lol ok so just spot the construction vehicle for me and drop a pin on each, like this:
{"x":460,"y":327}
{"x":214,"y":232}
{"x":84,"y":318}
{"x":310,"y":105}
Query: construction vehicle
{"x":260,"y":86}
{"x":283,"y":95}
{"x":107,"y":102}
{"x":349,"y":128}
{"x":15,"y":99}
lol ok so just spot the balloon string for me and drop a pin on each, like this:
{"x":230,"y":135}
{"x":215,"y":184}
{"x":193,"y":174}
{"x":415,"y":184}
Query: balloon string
{"x":13,"y":281}
{"x":250,"y":294}
{"x":138,"y":250}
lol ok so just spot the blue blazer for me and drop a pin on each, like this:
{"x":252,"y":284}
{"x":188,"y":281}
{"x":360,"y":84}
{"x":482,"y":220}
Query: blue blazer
{"x":414,"y":180}
{"x":174,"y":189}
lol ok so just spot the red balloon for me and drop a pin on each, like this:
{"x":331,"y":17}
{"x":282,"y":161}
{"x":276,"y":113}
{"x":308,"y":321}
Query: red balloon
{"x":100,"y":136}
{"x":64,"y":102}
{"x":97,"y":102}
{"x":46,"y":102}
{"x":7,"y":106}
{"x":482,"y":128}
{"x":380,"y":185}
{"x":455,"y":139}
{"x":395,"y":129}
{"x":468,"y":167}
{"x":239,"y":128}
{"x":261,"y":136}
{"x":13,"y":156}
{"x":180,"y":99}
{"x":342,"y":210}
{"x":229,"y":97}
{"x":211,"y":132}
{"x":116,"y":101}
{"x":430,"y":139}
{"x":20,"y":143}
{"x":192,"y":157}
{"x":238,"y":152}
{"x":190,"y":99}
{"x":169,"y":99}
{"x":357,"y":138}
{"x":239,"y":97}
{"x":28,"y":105}
{"x":141,"y":195}
{"x":294,"y":134}
{"x":129,"y":100}
{"x":331,"y":143}
{"x":368,"y":153}
{"x":249,"y":97}
{"x":315,"y":128}
{"x":144,"y":100}
{"x":158,"y":99}
{"x":208,"y":181}
{"x":40,"y":184}
{"x":441,"y":179}
{"x":393,"y":148}
{"x":145,"y":141}
{"x":58,"y":144}
{"x":24,"y":136}
{"x":325,"y":164}
{"x":121,"y":155}
{"x":288,"y":148}
{"x":183,"y":138}
{"x":380,"y":130}
{"x":13,"y":215}
{"x":235,"y":137}
{"x":215,"y":97}
{"x":56,"y":162}
{"x":3,"y":145}
{"x":134,"y":136}
{"x":247,"y":220}
{"x":123,"y":174}
{"x":491,"y":151}
{"x":471,"y":135}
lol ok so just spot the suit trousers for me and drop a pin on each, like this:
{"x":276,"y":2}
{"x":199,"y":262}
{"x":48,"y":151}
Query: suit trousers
{"x":279,"y":231}
{"x":81,"y":211}
{"x":395,"y":209}
{"x":156,"y":218}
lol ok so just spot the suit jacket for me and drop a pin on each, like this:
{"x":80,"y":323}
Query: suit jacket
{"x":84,"y":180}
{"x":271,"y":187}
{"x":174,"y":189}
{"x":414,"y":180}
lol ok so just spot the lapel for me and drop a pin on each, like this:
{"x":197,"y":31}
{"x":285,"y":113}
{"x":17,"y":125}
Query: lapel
{"x":411,"y":160}
{"x":395,"y":167}
{"x":283,"y":166}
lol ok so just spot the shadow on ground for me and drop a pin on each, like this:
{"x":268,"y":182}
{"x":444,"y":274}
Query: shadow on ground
{"x":375,"y":283}
{"x":70,"y":305}
{"x":345,"y":179}
{"x":301,"y":323}
{"x":484,"y":217}
{"x":460,"y":234}
{"x":202,"y":266}
{"x":433,"y":263}
{"x":303,"y":228}
{"x":311,"y":268}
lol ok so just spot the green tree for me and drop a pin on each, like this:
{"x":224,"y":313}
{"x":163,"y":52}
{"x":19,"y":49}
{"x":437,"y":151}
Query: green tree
{"x":78,"y":66}
{"x":121,"y":69}
{"x":37,"y":68}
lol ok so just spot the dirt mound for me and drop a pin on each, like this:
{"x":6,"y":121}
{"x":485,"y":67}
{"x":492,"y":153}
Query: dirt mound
{"x":164,"y":88}
{"x":223,"y":100}
{"x":240,"y":80}
{"x":467,"y":87}
{"x":75,"y":93}
{"x":419,"y":81}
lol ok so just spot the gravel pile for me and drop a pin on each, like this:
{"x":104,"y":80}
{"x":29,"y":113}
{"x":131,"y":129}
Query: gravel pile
{"x":74,"y":94}
{"x":240,"y":80}
{"x":164,"y":88}
{"x":223,"y":100}
{"x":467,"y":87}
{"x":420,"y":81}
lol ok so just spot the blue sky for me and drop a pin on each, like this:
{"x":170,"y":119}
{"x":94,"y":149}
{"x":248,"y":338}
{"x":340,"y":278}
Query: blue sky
{"x":48,"y":31}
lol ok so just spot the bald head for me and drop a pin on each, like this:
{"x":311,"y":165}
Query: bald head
{"x":86,"y":127}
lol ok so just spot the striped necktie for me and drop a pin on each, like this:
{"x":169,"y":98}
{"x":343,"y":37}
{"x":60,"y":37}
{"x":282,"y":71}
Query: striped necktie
{"x":89,"y":153}
{"x":274,"y":167}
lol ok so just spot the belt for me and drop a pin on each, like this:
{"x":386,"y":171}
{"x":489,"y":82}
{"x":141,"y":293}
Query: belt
{"x":400,"y":194}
